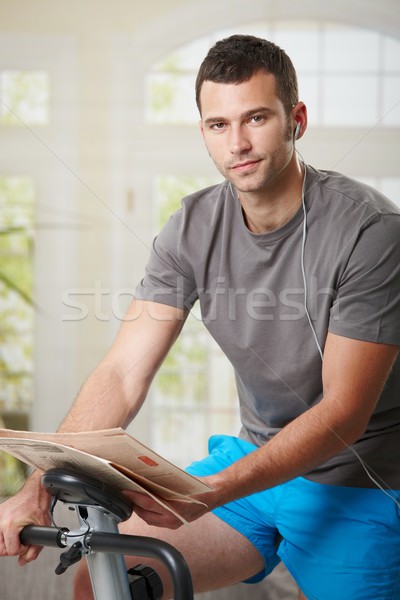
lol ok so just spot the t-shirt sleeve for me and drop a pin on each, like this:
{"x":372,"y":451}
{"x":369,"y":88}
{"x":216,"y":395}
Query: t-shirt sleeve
{"x":367,"y":306}
{"x":168,"y":277}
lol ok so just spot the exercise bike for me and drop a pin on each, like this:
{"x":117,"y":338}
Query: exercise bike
{"x":100,"y":510}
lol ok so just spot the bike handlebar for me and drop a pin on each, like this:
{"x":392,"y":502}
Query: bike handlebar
{"x":35,"y":535}
{"x":121,"y":544}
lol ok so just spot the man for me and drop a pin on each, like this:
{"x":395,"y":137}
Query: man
{"x":290,"y":265}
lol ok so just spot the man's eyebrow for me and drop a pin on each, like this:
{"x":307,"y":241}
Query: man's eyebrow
{"x":245,"y":115}
{"x":256,"y":111}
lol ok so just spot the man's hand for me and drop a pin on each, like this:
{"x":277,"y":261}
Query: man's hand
{"x":29,"y":507}
{"x":155,"y":514}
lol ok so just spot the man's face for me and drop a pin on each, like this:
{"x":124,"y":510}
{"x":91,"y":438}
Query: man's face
{"x":247,"y":132}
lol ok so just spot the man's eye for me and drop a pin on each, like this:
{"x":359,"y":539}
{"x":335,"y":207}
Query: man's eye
{"x":217,"y":126}
{"x":257,"y":119}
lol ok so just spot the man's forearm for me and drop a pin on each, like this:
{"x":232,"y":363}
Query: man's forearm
{"x":302,"y":445}
{"x":306,"y":442}
{"x":107,"y":399}
{"x":354,"y":373}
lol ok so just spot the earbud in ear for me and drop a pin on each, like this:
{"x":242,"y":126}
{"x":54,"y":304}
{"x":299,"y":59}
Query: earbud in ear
{"x":297,"y":131}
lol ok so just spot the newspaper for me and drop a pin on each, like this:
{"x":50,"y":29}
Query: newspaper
{"x":109,"y":455}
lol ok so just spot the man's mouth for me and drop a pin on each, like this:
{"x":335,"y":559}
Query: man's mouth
{"x":245,"y":165}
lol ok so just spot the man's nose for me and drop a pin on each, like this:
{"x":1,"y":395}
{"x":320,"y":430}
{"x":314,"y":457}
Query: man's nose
{"x":239,"y":141}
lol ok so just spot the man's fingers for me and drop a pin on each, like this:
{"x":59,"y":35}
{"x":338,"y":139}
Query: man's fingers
{"x":158,"y":519}
{"x":2,"y":544}
{"x":152,"y":512}
{"x":29,"y":554}
{"x":29,"y":507}
{"x":141,"y":501}
{"x":10,"y":544}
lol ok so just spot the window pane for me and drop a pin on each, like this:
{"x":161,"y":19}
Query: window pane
{"x":390,"y":186}
{"x":186,"y":58}
{"x":371,"y":181}
{"x":16,"y":313}
{"x":350,"y":100}
{"x":25,"y":98}
{"x":351,"y":50}
{"x":171,"y":98}
{"x":179,"y":435}
{"x":391,"y":101}
{"x":391,"y":54}
{"x":309,"y":94}
{"x":302,"y":45}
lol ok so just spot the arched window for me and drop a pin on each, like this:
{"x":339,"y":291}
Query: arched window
{"x":348,"y":76}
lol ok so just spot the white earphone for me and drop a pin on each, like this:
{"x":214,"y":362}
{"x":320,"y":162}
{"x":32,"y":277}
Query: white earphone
{"x":297,"y":131}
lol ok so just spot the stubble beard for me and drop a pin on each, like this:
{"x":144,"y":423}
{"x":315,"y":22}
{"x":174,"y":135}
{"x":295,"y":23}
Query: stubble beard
{"x":272,"y":169}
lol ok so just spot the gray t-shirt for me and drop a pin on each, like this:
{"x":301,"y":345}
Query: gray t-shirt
{"x":251,"y":293}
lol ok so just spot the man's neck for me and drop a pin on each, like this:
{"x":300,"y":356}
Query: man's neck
{"x":271,"y":209}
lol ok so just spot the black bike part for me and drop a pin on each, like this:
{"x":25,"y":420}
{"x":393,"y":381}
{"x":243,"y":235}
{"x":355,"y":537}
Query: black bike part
{"x":69,"y":557}
{"x":77,"y":488}
{"x":144,"y":582}
{"x":147,"y":547}
{"x":34,"y":535}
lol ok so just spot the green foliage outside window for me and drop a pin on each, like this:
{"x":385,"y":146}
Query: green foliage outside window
{"x":24,"y":98}
{"x":170,"y":91}
{"x":16,"y":312}
{"x":24,"y":101}
{"x":16,"y":285}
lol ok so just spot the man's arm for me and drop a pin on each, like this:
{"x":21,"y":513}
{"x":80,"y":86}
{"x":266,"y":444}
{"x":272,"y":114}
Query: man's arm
{"x":354,"y":373}
{"x":121,"y":380}
{"x":111,"y":397}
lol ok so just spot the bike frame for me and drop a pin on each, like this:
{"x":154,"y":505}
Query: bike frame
{"x":99,"y":511}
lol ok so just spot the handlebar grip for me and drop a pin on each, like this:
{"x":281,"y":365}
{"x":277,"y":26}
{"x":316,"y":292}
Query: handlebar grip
{"x":35,"y":535}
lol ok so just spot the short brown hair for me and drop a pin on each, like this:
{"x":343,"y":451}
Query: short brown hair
{"x":237,"y":58}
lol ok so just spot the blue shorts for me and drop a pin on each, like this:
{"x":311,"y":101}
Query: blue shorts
{"x":337,"y":542}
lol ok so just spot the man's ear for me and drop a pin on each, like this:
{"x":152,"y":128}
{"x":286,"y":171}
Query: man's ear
{"x":299,"y":116}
